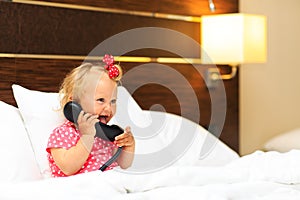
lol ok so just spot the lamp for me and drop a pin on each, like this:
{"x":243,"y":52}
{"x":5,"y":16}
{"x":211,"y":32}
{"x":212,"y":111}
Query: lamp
{"x":232,"y":39}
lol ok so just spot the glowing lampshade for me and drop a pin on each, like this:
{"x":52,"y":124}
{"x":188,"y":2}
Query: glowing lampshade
{"x":233,"y":39}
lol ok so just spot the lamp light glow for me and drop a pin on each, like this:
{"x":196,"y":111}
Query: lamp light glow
{"x":233,"y":39}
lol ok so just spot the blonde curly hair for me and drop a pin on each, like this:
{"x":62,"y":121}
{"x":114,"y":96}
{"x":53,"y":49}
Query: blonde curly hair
{"x":71,"y":87}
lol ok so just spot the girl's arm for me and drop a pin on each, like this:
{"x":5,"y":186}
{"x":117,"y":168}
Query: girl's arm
{"x":71,"y":160}
{"x":126,"y":140}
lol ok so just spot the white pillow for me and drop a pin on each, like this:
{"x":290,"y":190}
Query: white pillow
{"x":173,"y":140}
{"x":284,"y":142}
{"x":39,"y":111}
{"x":17,"y":159}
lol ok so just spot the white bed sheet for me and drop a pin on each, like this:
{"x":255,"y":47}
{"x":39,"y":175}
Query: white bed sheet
{"x":252,"y":190}
{"x":255,"y":176}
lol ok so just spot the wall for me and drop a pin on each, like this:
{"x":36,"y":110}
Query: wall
{"x":269,"y":93}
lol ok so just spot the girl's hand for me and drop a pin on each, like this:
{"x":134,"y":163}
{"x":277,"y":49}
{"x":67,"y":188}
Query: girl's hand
{"x":86,"y":123}
{"x":126,"y":139}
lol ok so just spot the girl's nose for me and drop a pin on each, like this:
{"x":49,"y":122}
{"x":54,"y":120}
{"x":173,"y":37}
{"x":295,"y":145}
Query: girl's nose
{"x":107,"y":107}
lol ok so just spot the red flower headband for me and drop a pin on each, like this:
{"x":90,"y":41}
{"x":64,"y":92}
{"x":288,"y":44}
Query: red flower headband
{"x":114,"y":71}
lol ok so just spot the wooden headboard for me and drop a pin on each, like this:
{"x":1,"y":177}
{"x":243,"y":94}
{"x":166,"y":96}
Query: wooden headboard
{"x":53,"y":30}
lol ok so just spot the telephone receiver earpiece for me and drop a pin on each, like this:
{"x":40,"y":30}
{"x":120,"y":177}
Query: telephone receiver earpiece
{"x":104,"y":131}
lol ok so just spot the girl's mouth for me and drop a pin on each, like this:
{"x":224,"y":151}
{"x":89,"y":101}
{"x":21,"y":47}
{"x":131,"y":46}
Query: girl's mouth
{"x":103,"y":119}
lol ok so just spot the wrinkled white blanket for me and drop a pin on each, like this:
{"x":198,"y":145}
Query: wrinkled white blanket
{"x":259,"y":175}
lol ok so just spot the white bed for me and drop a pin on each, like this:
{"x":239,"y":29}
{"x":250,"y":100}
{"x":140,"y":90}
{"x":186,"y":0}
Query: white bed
{"x":160,"y":171}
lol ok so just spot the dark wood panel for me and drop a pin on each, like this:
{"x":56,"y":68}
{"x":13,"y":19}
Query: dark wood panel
{"x":38,"y":74}
{"x":150,"y":86}
{"x":53,"y":30}
{"x":187,"y":7}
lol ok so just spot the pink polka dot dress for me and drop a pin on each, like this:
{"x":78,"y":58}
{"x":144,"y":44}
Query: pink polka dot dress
{"x":67,"y":136}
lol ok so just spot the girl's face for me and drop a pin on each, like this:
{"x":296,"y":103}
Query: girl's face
{"x":99,"y":96}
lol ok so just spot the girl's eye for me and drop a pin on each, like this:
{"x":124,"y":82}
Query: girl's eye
{"x":102,"y":100}
{"x":113,"y":101}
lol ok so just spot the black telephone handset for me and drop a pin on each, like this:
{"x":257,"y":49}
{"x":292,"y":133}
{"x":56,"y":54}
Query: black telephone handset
{"x":104,"y":131}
